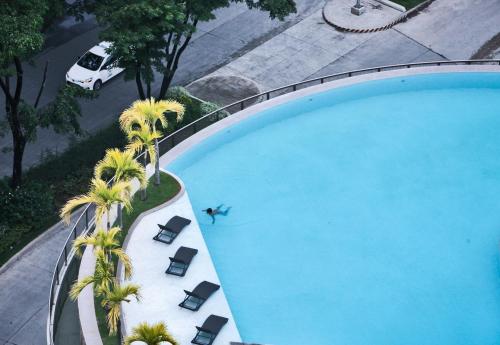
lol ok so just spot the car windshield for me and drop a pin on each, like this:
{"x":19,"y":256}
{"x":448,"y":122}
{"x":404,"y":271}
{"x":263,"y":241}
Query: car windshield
{"x":90,"y":61}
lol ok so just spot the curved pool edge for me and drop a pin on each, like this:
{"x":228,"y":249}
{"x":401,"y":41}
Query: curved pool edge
{"x":242,"y":115}
{"x":181,"y":322}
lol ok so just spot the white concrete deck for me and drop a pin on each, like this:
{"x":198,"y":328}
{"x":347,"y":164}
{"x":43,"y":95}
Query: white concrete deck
{"x":161,"y":293}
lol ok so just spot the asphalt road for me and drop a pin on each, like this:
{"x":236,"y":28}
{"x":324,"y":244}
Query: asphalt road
{"x":235,"y":31}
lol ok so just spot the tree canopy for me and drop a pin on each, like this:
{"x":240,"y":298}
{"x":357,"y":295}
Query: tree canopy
{"x":21,"y":36}
{"x":151,"y":35}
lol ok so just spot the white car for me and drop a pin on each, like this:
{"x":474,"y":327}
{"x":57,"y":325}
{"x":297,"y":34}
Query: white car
{"x":94,"y":68}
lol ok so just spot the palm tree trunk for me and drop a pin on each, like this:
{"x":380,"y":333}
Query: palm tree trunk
{"x":144,"y":195}
{"x":119,"y":330}
{"x":157,"y":163}
{"x":108,"y":224}
{"x":120,"y":215}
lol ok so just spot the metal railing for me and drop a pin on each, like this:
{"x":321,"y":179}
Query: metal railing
{"x":64,"y":273}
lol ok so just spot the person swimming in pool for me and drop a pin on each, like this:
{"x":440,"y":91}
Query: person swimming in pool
{"x":212,"y":212}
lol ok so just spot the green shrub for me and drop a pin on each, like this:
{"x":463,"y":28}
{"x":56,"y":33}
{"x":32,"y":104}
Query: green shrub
{"x":25,"y":205}
{"x":10,"y":236}
{"x":69,"y":173}
{"x":22,"y":211}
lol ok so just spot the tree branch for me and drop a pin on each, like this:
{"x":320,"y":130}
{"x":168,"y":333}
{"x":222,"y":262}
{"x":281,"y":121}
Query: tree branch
{"x":173,"y":59}
{"x":42,"y":86}
{"x":5,"y":88}
{"x":19,"y":80}
{"x":138,"y":81}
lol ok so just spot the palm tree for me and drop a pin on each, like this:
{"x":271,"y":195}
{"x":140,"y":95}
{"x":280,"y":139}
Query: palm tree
{"x":142,"y":139}
{"x":153,"y":113}
{"x":112,"y":299}
{"x":107,"y":242}
{"x":102,"y":278}
{"x":122,"y":166}
{"x":151,"y":335}
{"x":103,"y":196}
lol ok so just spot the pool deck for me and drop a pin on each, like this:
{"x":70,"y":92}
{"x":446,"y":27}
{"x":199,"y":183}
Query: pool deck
{"x":161,"y":293}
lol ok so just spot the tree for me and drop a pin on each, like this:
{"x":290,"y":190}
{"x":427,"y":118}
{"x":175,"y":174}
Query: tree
{"x":142,"y":139}
{"x":152,"y":113}
{"x":103,"y":196}
{"x":21,"y":24}
{"x":122,"y":167}
{"x":151,"y":35}
{"x":150,"y":334}
{"x":112,"y":300}
{"x":102,"y":278}
{"x":107,"y":242}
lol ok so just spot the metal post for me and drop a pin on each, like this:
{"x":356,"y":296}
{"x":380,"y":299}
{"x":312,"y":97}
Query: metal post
{"x":294,"y":87}
{"x":86,"y":219}
{"x":242,"y":105}
{"x":267,"y":94}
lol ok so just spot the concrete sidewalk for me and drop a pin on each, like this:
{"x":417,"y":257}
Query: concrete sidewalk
{"x":447,"y":29}
{"x":24,"y":289}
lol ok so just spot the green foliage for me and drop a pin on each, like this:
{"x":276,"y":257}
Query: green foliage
{"x":22,"y":211}
{"x":69,"y":173}
{"x":62,"y":113}
{"x":20,"y":30}
{"x":21,"y":25}
{"x":194,"y":107}
{"x":25,"y":205}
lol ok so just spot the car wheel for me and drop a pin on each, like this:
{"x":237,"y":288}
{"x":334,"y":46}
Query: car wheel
{"x":97,"y":85}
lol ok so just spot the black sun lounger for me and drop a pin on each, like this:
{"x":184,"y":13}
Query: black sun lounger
{"x":169,"y":231}
{"x":179,"y":264}
{"x":195,"y":299}
{"x":208,"y":331}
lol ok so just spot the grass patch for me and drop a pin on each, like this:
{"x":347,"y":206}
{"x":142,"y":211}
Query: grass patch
{"x":157,"y":195}
{"x":408,"y":4}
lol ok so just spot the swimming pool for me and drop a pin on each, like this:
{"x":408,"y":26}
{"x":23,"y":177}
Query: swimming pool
{"x":368,"y":214}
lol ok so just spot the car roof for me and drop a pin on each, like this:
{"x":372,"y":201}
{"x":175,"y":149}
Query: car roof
{"x":100,"y":49}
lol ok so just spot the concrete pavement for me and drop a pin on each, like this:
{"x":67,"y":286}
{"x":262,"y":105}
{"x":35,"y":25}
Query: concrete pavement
{"x":25,"y":286}
{"x":447,"y":29}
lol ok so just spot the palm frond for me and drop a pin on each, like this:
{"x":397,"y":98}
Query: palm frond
{"x":125,"y":260}
{"x":70,"y":206}
{"x":112,"y":300}
{"x":153,"y":334}
{"x":78,"y":286}
{"x":82,"y":241}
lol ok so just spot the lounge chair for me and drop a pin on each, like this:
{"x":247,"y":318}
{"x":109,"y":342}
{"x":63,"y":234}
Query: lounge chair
{"x":195,"y":299}
{"x":208,"y":331}
{"x":169,"y":231}
{"x":179,"y":264}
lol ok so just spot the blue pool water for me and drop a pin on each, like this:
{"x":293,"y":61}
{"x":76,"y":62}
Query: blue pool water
{"x":367,"y":215}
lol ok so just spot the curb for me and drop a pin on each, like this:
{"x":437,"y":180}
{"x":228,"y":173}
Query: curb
{"x":119,"y":269}
{"x":408,"y":14}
